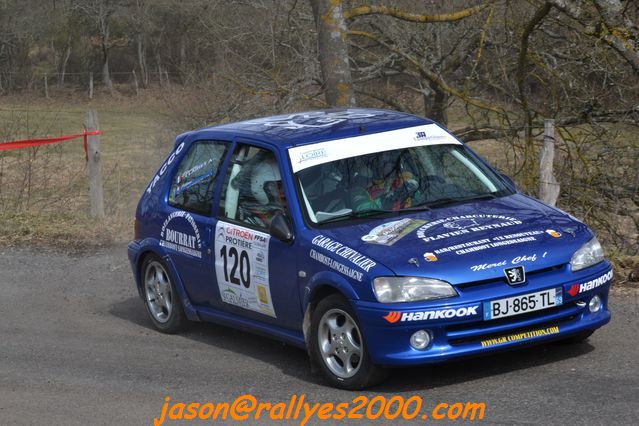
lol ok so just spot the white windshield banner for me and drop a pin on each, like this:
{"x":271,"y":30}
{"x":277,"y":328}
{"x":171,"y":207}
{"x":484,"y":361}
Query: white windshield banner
{"x":303,"y":157}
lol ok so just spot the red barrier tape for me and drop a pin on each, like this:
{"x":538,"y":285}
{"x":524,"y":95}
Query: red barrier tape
{"x":45,"y":141}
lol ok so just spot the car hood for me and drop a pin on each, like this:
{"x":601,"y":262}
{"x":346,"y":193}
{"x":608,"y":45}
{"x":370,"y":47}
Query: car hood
{"x":469,"y":242}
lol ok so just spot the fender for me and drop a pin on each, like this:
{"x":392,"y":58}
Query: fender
{"x":329,"y":278}
{"x":152,"y":245}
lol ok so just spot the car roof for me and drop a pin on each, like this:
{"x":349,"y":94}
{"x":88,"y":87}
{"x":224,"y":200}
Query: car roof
{"x":308,"y":127}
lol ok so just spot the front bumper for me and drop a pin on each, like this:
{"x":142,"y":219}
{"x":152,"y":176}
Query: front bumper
{"x":468,"y":334}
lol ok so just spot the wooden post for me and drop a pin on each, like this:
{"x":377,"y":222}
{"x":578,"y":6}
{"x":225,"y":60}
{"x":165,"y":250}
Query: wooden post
{"x":94,"y":165}
{"x":135,"y":83}
{"x":90,"y":85}
{"x":548,"y":185}
{"x":46,"y":85}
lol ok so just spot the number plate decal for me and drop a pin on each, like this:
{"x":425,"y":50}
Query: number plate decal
{"x":522,"y":304}
{"x":241,"y":267}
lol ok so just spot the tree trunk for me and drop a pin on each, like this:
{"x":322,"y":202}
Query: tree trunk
{"x":106,"y":77}
{"x":65,"y":61}
{"x":436,"y":104}
{"x":183,"y":58}
{"x":333,"y":52}
{"x":142,"y":61}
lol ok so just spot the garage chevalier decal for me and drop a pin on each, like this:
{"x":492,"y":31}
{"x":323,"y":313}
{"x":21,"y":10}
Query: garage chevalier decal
{"x":347,"y":253}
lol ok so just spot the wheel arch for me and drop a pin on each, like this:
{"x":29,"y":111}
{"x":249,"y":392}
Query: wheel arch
{"x":150,"y":249}
{"x":319,"y":287}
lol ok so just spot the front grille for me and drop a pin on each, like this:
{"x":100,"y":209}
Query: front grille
{"x":502,"y":280}
{"x":472,"y":332}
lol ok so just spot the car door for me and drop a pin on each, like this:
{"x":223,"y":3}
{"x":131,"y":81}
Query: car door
{"x":256,"y":274}
{"x":187,"y":231}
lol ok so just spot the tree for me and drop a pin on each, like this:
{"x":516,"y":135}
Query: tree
{"x":100,"y":14}
{"x":333,"y":52}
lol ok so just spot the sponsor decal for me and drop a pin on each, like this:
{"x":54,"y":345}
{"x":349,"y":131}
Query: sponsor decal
{"x":514,"y":261}
{"x":488,"y":243}
{"x":317,"y":119}
{"x":553,"y":233}
{"x":520,"y":336}
{"x":333,"y":264}
{"x":576,"y":289}
{"x":461,"y":225}
{"x":241,"y":267}
{"x":424,"y":136}
{"x":184,"y":180}
{"x":262,"y":295}
{"x":162,"y":170}
{"x":395,"y":316}
{"x":312,"y":154}
{"x":345,"y":252}
{"x":389,"y":233}
{"x":180,"y":238}
{"x":430,"y":257}
{"x":515,"y":275}
{"x":306,"y":156}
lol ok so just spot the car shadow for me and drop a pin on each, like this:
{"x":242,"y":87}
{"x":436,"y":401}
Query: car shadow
{"x":291,"y":360}
{"x":294,"y":362}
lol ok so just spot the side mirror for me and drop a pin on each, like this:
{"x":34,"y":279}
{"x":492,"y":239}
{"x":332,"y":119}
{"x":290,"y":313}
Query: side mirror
{"x":509,"y":181}
{"x":281,"y":228}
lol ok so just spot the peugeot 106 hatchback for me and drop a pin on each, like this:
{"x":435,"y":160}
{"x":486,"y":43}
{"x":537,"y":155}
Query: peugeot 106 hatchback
{"x":370,"y":238}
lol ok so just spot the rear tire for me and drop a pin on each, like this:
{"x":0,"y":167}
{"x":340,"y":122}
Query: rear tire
{"x":161,"y":299}
{"x":337,"y":346}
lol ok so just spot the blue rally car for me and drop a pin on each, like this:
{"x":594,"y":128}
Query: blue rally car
{"x":371,"y":238}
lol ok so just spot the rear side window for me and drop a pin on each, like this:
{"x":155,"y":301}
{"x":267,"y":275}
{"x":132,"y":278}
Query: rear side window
{"x":193,"y":186}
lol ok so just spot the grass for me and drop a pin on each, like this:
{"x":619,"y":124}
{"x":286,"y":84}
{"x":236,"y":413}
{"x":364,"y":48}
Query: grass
{"x":44,"y":191}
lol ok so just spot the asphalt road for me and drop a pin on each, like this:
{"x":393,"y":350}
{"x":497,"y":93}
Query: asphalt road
{"x":76,"y":348}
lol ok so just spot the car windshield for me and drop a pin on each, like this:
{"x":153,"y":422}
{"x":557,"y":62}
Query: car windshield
{"x":407,"y":179}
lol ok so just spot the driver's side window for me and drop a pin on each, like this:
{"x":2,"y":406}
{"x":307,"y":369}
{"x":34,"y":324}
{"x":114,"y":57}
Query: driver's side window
{"x":252,"y":192}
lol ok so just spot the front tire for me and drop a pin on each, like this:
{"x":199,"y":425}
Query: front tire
{"x":337,"y":346}
{"x":161,"y":298}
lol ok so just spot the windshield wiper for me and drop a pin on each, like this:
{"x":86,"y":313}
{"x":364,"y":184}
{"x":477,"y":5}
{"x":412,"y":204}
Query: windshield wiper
{"x":449,"y":200}
{"x":358,"y":214}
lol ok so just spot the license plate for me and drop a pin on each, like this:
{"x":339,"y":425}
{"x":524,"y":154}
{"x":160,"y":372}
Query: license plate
{"x":522,"y":304}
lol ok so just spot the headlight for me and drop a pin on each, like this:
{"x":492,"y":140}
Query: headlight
{"x":411,"y":289}
{"x":589,"y":254}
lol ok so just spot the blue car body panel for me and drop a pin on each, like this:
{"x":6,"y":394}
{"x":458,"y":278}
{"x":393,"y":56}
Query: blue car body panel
{"x":468,"y":245}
